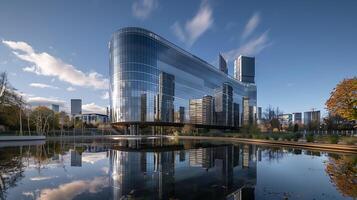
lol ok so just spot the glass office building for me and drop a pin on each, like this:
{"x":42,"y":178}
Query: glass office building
{"x":154,"y":82}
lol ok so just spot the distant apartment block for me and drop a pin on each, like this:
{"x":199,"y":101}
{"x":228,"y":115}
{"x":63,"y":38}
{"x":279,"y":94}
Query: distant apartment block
{"x":285,"y":119}
{"x":244,"y":69}
{"x":94,"y":118}
{"x":312,"y":116}
{"x":297,"y":118}
{"x":76,"y":106}
{"x":55,"y":108}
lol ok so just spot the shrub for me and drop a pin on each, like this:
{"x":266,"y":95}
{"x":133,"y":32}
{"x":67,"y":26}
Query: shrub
{"x":275,"y":136}
{"x":333,"y":139}
{"x":296,"y":136}
{"x":310,"y":138}
{"x":289,"y":137}
{"x":350,"y":141}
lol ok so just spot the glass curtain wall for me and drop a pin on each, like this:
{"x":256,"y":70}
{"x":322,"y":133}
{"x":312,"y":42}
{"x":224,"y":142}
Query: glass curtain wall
{"x":152,"y":80}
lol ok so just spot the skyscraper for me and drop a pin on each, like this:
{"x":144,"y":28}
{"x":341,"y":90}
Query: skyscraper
{"x":224,"y":105}
{"x":246,"y":111}
{"x":166,"y":97}
{"x":236,"y":122}
{"x":223,"y":64}
{"x":195,"y":111}
{"x":76,"y":106}
{"x":244,"y":69}
{"x":259,"y":115}
{"x":143,"y":101}
{"x":207,"y":110}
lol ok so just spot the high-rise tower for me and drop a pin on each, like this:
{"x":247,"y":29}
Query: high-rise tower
{"x":244,"y":69}
{"x":223,"y":64}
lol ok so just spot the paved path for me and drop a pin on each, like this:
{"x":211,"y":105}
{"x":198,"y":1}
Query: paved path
{"x":21,"y":138}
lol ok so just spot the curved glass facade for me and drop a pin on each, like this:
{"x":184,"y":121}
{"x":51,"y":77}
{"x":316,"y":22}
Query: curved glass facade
{"x":152,"y":80}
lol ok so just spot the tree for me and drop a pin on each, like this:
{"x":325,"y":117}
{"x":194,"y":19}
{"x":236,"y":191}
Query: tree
{"x":296,"y":128}
{"x":8,"y":96}
{"x":11,"y":104}
{"x":343,"y":99}
{"x":271,"y":116}
{"x":44,"y":120}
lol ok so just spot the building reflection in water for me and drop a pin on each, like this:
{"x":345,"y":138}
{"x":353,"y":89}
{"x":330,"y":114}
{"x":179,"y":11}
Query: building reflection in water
{"x":228,"y":170}
{"x":76,"y":158}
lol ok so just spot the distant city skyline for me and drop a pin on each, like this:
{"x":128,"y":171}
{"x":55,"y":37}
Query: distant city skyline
{"x":302,"y":49}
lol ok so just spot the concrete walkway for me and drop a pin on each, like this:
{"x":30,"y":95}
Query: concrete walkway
{"x":126,"y":137}
{"x":21,"y":138}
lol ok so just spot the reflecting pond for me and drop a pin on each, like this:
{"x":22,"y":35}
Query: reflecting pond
{"x":171,"y":169}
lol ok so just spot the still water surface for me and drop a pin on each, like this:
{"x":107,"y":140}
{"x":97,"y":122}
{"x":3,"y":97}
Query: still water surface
{"x":171,"y":169}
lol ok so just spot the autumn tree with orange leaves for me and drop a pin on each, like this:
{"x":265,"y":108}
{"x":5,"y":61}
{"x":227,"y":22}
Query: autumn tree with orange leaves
{"x":343,"y":99}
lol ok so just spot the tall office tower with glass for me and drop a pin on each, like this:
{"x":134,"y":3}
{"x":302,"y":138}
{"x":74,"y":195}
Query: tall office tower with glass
{"x":153,"y":83}
{"x":244,"y":69}
{"x":223,"y":64}
{"x":224,"y":105}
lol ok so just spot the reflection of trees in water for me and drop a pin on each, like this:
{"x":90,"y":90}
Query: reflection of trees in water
{"x":273,"y":154}
{"x":343,"y":174}
{"x":13,"y":161}
{"x":11,"y":170}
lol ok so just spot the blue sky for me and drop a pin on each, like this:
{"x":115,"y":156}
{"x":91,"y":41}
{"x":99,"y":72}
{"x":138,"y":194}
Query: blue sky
{"x":57,"y":50}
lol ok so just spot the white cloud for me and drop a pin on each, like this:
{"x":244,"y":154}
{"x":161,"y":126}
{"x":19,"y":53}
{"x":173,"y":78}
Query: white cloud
{"x":71,"y":89}
{"x":72,"y":189}
{"x":143,"y":8}
{"x":29,"y":195}
{"x":251,"y":25}
{"x":44,"y":101}
{"x":253,"y":46}
{"x":47,"y":65}
{"x":250,"y":48}
{"x":19,"y":46}
{"x":196,"y":26}
{"x":94,"y":157}
{"x":23,"y":95}
{"x":42,"y":85}
{"x":93,"y":108}
{"x":42,"y":178}
{"x":105,"y":95}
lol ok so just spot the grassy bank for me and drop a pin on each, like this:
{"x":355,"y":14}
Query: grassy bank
{"x":285,"y":136}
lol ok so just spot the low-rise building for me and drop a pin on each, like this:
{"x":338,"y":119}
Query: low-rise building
{"x":94,"y":118}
